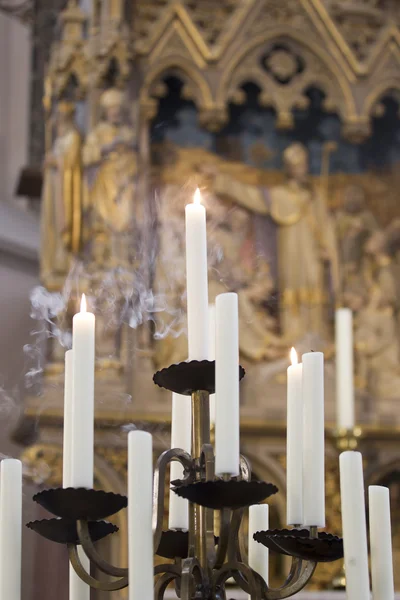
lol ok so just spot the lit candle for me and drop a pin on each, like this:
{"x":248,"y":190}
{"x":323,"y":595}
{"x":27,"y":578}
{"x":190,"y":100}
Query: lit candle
{"x":10,"y":529}
{"x":196,"y":279}
{"x":258,"y":554}
{"x":354,"y":526}
{"x":313,"y":440}
{"x":294,"y":443}
{"x":227,"y":385}
{"x":380,"y":533}
{"x":180,"y":438}
{"x":83,"y":334}
{"x":211,"y":353}
{"x":140,"y":507}
{"x":344,"y":369}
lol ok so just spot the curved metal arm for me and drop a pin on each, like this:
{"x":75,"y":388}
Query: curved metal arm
{"x":225,"y":520}
{"x":294,"y":586}
{"x":91,"y":552}
{"x":245,"y":577}
{"x":192,"y":577}
{"x":159,"y":486}
{"x":106,"y":586}
{"x":162,"y":584}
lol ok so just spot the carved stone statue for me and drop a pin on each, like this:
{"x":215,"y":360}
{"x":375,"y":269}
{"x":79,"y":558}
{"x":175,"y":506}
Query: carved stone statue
{"x":305,"y":240}
{"x":62,"y":196}
{"x":258,"y":339}
{"x":354,"y":223}
{"x":375,"y":304}
{"x":109,"y":158}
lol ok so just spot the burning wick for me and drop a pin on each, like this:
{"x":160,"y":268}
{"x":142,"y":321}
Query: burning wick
{"x":197,"y":197}
{"x":83,"y":304}
{"x":293,"y":357}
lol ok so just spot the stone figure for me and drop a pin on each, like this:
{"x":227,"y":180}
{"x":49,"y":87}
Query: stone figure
{"x":375,"y":304}
{"x":110,"y":163}
{"x":354,"y":223}
{"x":258,"y":339}
{"x":305,"y":240}
{"x":62,"y":196}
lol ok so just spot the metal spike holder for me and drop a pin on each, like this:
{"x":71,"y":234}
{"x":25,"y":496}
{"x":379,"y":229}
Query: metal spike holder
{"x":202,"y":562}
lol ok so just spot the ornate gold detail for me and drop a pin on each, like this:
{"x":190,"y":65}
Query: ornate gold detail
{"x":290,"y":13}
{"x":69,"y":58}
{"x":117,"y":458}
{"x":211,"y":18}
{"x":360,"y":24}
{"x":43,"y":463}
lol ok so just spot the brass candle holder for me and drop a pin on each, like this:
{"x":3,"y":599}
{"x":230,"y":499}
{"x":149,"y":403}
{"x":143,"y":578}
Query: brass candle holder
{"x":202,"y":562}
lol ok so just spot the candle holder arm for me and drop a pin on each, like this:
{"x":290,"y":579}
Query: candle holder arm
{"x":82,"y":527}
{"x":295,"y":582}
{"x":107,"y":586}
{"x":159,"y":486}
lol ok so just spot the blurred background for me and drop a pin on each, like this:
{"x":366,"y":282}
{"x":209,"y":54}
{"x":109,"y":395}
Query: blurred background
{"x":285,"y":113}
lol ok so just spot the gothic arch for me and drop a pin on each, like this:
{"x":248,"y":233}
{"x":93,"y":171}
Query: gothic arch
{"x":385,"y":88}
{"x":323,"y":72}
{"x":197,"y":86}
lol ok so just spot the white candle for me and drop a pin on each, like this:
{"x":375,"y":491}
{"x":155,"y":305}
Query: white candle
{"x":211,"y":353}
{"x":67,"y":433}
{"x":258,"y":554}
{"x":294,"y":443}
{"x":180,"y":438}
{"x":83,"y":335}
{"x":313,"y":440}
{"x":354,"y":526}
{"x":227,"y":385}
{"x":140,"y":507}
{"x":10,"y":529}
{"x":196,"y":279}
{"x":380,"y":533}
{"x":344,"y":369}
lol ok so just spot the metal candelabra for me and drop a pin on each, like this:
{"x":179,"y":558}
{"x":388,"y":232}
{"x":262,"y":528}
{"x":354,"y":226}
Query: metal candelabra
{"x":202,"y":562}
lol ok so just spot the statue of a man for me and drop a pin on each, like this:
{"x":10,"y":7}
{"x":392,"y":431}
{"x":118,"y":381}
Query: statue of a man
{"x":305,"y":240}
{"x":109,"y":158}
{"x":62,"y":195}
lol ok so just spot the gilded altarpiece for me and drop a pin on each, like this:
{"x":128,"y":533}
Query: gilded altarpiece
{"x":285,"y":114}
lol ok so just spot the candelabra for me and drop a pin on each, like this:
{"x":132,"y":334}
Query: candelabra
{"x":202,"y":562}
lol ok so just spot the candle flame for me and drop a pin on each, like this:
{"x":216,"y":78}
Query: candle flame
{"x":83,"y":304}
{"x":197,"y":197}
{"x":293,"y":357}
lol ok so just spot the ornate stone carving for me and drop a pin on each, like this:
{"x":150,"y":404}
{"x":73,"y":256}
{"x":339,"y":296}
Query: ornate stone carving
{"x":211,"y":18}
{"x":68,"y":62}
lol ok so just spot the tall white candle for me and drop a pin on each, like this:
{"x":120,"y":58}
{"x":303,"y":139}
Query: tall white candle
{"x":227,"y":385}
{"x":344,"y":369}
{"x":258,"y":554}
{"x":196,"y":279}
{"x":354,"y":526}
{"x":294,"y":442}
{"x":10,"y":529}
{"x":180,"y":438}
{"x":380,"y":533}
{"x":67,"y":433}
{"x":313,"y":440}
{"x":140,"y":505}
{"x":79,"y":474}
{"x":211,"y":353}
{"x":83,"y":344}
